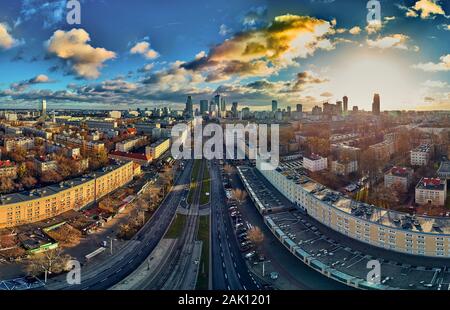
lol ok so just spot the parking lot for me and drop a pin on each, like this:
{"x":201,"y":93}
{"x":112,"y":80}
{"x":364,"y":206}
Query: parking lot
{"x":327,"y":252}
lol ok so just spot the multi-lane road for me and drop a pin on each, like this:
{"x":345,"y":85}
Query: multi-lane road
{"x":122,"y":263}
{"x":174,"y":273}
{"x":229,"y":270}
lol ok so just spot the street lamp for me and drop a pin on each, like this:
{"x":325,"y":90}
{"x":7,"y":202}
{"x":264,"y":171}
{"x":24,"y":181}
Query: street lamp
{"x":111,"y":243}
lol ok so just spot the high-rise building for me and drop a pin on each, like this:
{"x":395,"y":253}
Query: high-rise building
{"x":203,"y":106}
{"x":223,"y":105}
{"x":339,"y":107}
{"x":355,"y":108}
{"x":299,"y":108}
{"x":44,"y":108}
{"x":189,"y":106}
{"x":317,"y":110}
{"x":345,"y":99}
{"x":234,"y":109}
{"x":274,"y":105}
{"x":376,"y":105}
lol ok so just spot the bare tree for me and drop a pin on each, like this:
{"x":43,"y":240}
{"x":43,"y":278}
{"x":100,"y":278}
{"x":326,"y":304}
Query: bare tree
{"x":239,"y":195}
{"x":52,"y":261}
{"x":256,"y":236}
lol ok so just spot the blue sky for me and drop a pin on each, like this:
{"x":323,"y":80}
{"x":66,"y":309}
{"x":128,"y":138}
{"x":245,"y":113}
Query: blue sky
{"x":155,"y":53}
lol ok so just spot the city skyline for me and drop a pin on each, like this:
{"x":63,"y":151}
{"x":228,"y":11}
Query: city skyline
{"x":306,"y":53}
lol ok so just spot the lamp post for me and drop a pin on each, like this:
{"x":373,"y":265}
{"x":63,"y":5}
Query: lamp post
{"x":111,"y":239}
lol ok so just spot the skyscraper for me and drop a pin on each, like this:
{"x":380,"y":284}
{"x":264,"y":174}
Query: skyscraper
{"x":299,"y":108}
{"x":274,"y":105}
{"x":345,"y":99}
{"x":189,"y":106}
{"x":339,"y":107}
{"x":376,"y":105}
{"x":44,"y":108}
{"x":203,"y":106}
{"x":217,"y":101}
{"x":223,"y":105}
{"x":234,"y":109}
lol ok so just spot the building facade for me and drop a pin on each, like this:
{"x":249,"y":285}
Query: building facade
{"x":41,"y":204}
{"x":315,"y":163}
{"x":431,"y":191}
{"x":395,"y":231}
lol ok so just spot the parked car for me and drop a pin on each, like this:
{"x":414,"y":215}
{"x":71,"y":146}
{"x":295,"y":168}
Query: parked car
{"x":250,"y":254}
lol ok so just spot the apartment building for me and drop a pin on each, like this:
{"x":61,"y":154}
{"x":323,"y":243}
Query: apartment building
{"x":8,"y":169}
{"x":383,"y":150}
{"x":12,"y":144}
{"x":129,"y":144}
{"x":315,"y":163}
{"x":44,"y":203}
{"x":344,"y":168}
{"x":431,"y":191}
{"x":89,"y":146}
{"x":399,"y":175}
{"x":421,"y":155}
{"x":390,"y":230}
{"x":158,"y":148}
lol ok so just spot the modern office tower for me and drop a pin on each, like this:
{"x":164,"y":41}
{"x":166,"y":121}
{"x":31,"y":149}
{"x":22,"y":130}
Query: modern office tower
{"x":339,"y":107}
{"x":44,"y":108}
{"x":376,"y":105}
{"x":189,"y":106}
{"x":203,"y":106}
{"x":299,"y":108}
{"x":355,"y":108}
{"x":316,"y":110}
{"x":289,"y":109}
{"x":234,"y":109}
{"x":345,"y":99}
{"x":223,"y":105}
{"x":274,"y":105}
{"x":245,"y":112}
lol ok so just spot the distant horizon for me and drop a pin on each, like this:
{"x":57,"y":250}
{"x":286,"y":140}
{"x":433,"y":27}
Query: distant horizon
{"x":292,"y":51}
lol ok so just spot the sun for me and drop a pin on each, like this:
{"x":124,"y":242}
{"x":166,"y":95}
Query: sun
{"x":360,"y":75}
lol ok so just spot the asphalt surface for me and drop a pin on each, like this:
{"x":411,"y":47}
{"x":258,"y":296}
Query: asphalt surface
{"x":174,"y":272}
{"x":129,"y":258}
{"x":229,"y":270}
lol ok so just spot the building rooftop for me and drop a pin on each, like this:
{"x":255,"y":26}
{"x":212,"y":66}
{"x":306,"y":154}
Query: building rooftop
{"x":364,"y":211}
{"x":435,"y":184}
{"x":138,"y":156}
{"x":6,"y":163}
{"x":400,"y":171}
{"x":444,"y":168}
{"x":424,"y":148}
{"x":313,"y":157}
{"x":55,"y":188}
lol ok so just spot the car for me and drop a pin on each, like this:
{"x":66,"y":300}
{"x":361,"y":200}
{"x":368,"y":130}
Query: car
{"x":250,"y":254}
{"x":274,"y":275}
{"x":241,"y":235}
{"x":246,"y":243}
{"x":239,"y":225}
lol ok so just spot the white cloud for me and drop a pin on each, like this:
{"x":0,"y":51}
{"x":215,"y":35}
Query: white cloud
{"x":355,"y":30}
{"x":392,"y":41}
{"x":426,"y":9}
{"x":224,"y":30}
{"x":435,"y":84}
{"x":443,"y":65}
{"x":6,"y":40}
{"x":73,"y":47}
{"x":143,"y":48}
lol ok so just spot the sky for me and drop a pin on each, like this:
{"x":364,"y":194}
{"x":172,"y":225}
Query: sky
{"x":152,"y":53}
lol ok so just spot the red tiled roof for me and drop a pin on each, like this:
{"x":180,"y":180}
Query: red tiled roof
{"x":6,"y":163}
{"x":132,"y":155}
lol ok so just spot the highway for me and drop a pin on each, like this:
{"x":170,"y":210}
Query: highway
{"x":229,"y":270}
{"x":123,"y":262}
{"x":174,"y":272}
